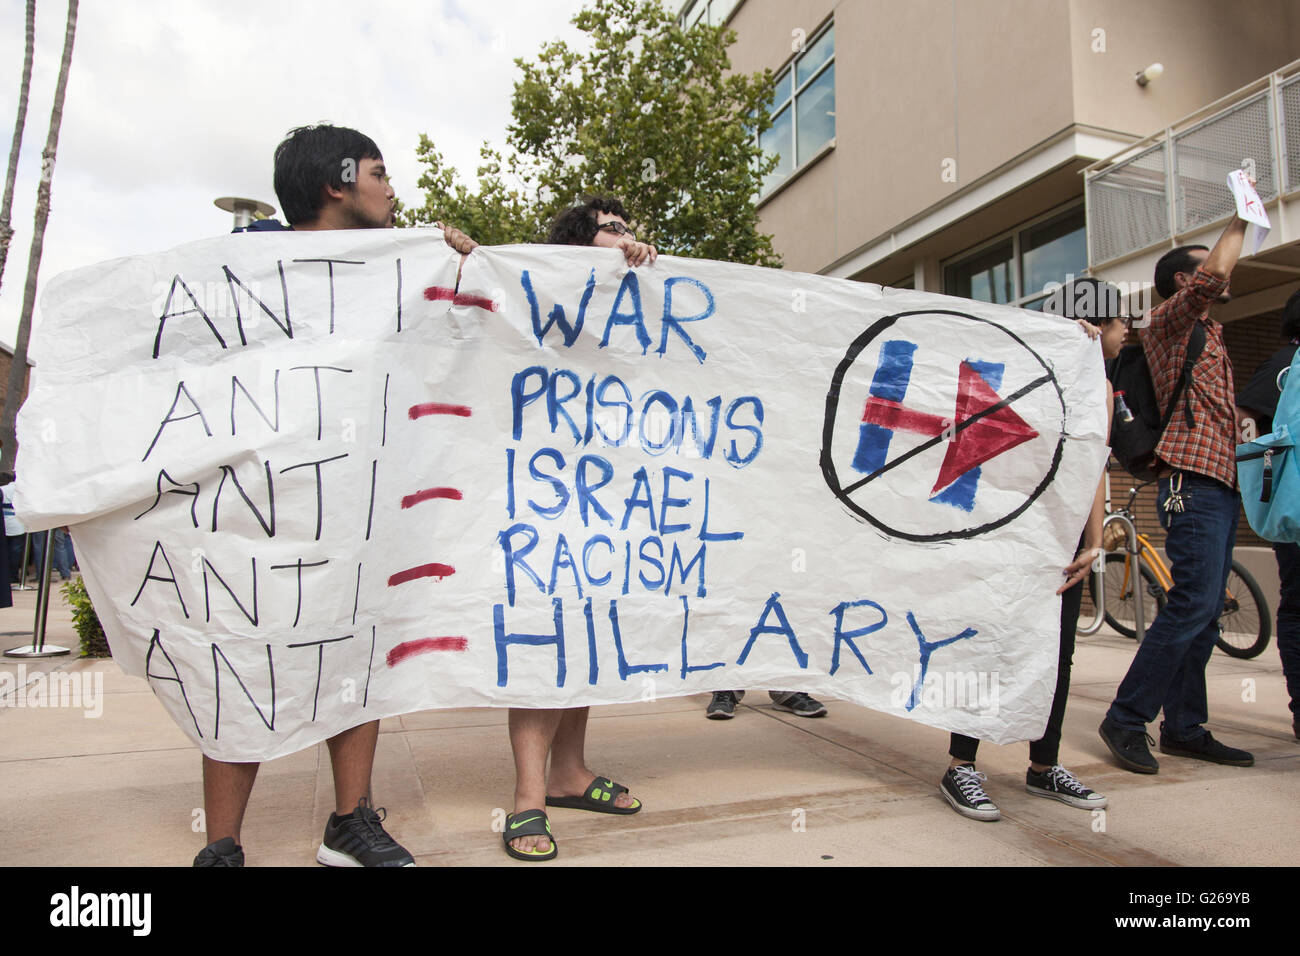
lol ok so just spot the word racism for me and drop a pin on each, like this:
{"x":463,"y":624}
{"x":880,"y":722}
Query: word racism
{"x":336,"y":486}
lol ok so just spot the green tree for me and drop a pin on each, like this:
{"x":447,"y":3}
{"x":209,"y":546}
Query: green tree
{"x":650,"y":114}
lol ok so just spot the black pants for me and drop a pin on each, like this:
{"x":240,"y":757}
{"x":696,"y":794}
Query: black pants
{"x":1288,"y":621}
{"x":1047,"y":749}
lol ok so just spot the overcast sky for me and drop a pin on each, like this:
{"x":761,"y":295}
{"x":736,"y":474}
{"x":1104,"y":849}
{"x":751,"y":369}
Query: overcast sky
{"x":170,"y":105}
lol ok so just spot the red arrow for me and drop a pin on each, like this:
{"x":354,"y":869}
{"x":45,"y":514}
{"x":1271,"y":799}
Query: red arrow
{"x":986,"y":437}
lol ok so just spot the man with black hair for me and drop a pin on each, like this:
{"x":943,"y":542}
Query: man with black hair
{"x":326,"y":177}
{"x":1198,"y":507}
{"x":600,"y":221}
{"x":1258,"y":402}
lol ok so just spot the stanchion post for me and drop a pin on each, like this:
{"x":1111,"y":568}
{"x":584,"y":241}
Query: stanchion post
{"x":38,"y":648}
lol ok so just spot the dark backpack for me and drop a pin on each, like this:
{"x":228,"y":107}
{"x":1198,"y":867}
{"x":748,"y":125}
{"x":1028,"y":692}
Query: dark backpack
{"x":1134,"y":436}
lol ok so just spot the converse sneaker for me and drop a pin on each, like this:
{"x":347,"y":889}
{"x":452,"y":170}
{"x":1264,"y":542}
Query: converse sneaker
{"x":723,"y":705}
{"x":359,"y":839}
{"x":797,"y":703}
{"x":1058,"y":783}
{"x":961,"y":787}
{"x":223,"y":852}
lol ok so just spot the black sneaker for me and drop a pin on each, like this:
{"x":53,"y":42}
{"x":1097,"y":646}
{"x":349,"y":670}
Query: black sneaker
{"x":1131,"y":748}
{"x":797,"y":703}
{"x":1206,"y":748}
{"x":223,"y":852}
{"x":723,"y":705}
{"x":1059,"y":784}
{"x":359,"y":839}
{"x":962,"y":787}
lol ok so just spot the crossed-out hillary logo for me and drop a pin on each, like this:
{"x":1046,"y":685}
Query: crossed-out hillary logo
{"x":921,"y":405}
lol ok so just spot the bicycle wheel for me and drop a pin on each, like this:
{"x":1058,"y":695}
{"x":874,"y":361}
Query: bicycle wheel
{"x":1244,"y":625}
{"x":1119,"y":594}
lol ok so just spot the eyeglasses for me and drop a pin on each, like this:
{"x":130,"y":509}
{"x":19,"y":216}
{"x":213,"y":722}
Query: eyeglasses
{"x":617,"y":228}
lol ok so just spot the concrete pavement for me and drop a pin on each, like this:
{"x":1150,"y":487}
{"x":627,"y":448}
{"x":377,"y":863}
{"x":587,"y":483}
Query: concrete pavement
{"x":854,"y":788}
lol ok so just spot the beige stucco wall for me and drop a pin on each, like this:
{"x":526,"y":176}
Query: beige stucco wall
{"x":1208,"y":49}
{"x":917,"y":83}
{"x":983,"y":82}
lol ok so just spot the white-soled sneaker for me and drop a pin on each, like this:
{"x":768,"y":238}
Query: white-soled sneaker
{"x":962,"y":786}
{"x":359,"y":839}
{"x":1059,"y":784}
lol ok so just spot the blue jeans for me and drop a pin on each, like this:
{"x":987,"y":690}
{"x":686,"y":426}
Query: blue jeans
{"x":1168,"y":669}
{"x":1288,"y":620}
{"x":61,"y":556}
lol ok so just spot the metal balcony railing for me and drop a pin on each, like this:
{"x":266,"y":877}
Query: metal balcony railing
{"x":1175,"y":182}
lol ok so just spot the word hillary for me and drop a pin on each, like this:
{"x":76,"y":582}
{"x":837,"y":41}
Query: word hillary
{"x":772,"y":622}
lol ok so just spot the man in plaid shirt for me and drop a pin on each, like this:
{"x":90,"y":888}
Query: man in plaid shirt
{"x":1197,"y":507}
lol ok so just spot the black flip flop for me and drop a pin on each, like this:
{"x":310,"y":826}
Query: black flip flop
{"x":598,"y":798}
{"x":529,"y":823}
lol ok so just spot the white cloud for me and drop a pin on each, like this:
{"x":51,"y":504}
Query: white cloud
{"x":171,"y":105}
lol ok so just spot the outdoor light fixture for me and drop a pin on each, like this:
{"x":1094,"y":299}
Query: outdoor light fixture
{"x":1150,"y":73}
{"x":245,"y":210}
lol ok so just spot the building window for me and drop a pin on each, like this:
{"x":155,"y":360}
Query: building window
{"x":1015,"y":269}
{"x":803,"y":108}
{"x":714,"y":13}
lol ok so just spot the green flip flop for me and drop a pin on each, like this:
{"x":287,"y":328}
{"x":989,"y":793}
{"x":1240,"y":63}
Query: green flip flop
{"x":598,"y":798}
{"x":529,"y":823}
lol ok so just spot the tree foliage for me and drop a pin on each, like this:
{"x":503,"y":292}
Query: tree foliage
{"x":649,"y":114}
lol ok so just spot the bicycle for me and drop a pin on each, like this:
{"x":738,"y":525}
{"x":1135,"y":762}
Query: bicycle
{"x":1245,"y":625}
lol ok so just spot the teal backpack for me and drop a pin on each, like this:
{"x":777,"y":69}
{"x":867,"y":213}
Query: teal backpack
{"x":1267,"y":469}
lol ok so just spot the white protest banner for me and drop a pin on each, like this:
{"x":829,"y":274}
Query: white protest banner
{"x":313,"y":485}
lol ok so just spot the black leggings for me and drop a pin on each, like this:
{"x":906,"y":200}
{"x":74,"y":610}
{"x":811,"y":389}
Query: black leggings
{"x":1047,"y":749}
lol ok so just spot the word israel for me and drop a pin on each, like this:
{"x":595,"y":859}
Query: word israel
{"x":81,"y":689}
{"x":539,"y":482}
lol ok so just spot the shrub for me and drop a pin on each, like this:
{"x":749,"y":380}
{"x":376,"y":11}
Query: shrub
{"x":85,"y":621}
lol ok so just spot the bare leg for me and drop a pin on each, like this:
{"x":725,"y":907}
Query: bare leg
{"x":570,"y":775}
{"x":562,"y":734}
{"x":226,"y":788}
{"x":531,"y":734}
{"x":352,"y":755}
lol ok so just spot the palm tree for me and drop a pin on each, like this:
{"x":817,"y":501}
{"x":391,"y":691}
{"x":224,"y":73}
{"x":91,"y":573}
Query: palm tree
{"x":7,"y":204}
{"x":18,"y":370}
